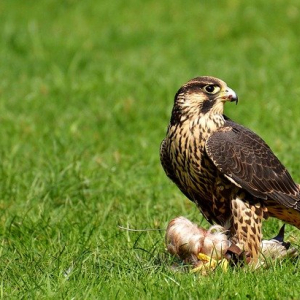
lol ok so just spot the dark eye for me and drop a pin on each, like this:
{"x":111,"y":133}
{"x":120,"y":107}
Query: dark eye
{"x":211,"y":89}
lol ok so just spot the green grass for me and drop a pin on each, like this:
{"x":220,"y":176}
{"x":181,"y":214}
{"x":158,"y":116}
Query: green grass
{"x":86,"y":90}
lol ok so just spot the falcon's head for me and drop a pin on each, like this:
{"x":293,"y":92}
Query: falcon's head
{"x":202,"y":95}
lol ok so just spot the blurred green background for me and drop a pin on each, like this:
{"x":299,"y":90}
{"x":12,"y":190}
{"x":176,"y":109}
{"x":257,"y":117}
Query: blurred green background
{"x":86,"y":91}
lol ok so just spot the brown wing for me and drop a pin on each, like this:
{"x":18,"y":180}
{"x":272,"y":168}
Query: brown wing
{"x":244,"y":157}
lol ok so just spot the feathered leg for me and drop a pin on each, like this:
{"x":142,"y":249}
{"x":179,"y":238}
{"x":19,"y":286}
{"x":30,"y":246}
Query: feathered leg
{"x":246,"y":226}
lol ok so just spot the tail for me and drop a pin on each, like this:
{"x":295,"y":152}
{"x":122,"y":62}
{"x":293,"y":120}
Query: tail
{"x":287,"y":215}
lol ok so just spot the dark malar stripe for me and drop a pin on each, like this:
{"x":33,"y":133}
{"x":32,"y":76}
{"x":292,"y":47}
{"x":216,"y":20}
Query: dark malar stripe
{"x":207,"y":106}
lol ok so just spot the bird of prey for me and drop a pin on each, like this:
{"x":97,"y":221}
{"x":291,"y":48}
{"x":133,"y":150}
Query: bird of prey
{"x":226,"y":169}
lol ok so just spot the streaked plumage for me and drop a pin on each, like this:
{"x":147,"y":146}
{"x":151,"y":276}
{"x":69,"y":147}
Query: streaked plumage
{"x":226,"y":169}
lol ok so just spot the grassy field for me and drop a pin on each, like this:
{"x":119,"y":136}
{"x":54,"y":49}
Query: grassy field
{"x":86,"y":91}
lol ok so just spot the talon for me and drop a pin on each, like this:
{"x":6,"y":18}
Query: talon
{"x":206,"y":250}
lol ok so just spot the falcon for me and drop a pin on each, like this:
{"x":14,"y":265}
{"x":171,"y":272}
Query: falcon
{"x":227,"y":170}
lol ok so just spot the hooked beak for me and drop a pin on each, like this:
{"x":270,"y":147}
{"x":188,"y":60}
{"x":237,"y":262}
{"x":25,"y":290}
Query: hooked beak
{"x":230,"y":95}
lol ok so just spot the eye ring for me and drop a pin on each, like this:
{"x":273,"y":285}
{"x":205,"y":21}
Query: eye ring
{"x":211,"y":89}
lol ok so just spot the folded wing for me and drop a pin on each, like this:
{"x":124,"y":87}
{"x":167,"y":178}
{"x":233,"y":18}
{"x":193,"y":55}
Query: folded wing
{"x":247,"y":160}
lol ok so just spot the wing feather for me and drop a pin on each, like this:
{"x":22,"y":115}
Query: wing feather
{"x":245,"y":158}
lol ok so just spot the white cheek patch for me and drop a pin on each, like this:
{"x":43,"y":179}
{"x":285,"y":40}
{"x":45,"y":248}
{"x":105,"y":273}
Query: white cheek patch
{"x":193,"y":100}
